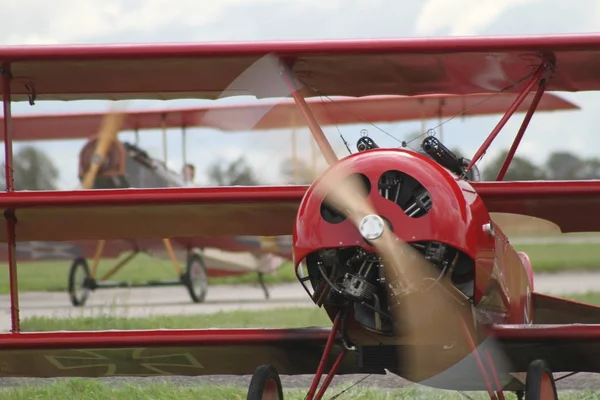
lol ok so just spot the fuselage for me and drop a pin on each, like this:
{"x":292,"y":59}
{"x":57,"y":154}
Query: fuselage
{"x":428,"y":207}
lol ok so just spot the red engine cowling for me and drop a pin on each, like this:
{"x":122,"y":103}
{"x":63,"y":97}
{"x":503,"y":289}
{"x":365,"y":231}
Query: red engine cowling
{"x":426,"y":206}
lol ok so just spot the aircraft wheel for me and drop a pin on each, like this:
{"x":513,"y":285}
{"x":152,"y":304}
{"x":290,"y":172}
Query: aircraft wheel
{"x":265,"y":384}
{"x":540,"y":384}
{"x":79,"y":282}
{"x":196,"y":278}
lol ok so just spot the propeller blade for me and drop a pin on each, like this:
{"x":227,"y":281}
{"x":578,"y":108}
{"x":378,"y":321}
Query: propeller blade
{"x":262,"y":79}
{"x":111,"y":125}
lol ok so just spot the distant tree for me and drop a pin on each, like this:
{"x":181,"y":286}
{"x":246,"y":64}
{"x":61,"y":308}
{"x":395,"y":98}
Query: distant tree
{"x":564,"y":166}
{"x":237,"y":173}
{"x":588,"y":169}
{"x":32,"y":170}
{"x":303,"y":173}
{"x":520,"y":169}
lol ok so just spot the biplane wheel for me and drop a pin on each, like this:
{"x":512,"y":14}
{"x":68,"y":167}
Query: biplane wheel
{"x":540,"y":384}
{"x":265,"y":384}
{"x":79,"y":278}
{"x":196,"y":278}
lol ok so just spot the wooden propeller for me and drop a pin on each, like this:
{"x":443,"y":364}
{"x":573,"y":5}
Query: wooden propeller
{"x":111,"y":126}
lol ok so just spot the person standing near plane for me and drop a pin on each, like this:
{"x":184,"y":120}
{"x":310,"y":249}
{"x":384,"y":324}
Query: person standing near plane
{"x":189,"y":173}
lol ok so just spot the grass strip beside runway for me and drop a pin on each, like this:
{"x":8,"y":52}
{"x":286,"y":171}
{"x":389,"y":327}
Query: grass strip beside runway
{"x":288,"y":317}
{"x":293,"y":317}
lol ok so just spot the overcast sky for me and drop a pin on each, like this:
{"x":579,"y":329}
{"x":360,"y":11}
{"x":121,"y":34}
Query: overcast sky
{"x":122,"y":21}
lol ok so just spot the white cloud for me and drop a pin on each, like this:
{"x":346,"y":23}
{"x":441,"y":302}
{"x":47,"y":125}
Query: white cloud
{"x":462,"y":17}
{"x":122,"y":21}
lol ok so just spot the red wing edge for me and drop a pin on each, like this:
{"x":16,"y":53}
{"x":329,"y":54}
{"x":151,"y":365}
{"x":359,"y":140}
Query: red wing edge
{"x":153,"y":213}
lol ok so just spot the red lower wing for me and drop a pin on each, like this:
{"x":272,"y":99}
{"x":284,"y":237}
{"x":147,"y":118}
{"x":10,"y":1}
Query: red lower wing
{"x":168,"y":352}
{"x":564,"y":333}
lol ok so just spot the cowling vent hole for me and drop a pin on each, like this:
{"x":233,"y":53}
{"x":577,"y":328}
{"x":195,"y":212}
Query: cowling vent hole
{"x":333,"y":216}
{"x":405,"y":191}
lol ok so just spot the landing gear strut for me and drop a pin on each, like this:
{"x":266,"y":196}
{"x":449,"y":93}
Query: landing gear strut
{"x":265,"y":381}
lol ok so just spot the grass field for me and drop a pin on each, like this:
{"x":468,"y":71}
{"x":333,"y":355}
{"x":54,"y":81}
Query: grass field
{"x":285,"y":317}
{"x":291,"y":317}
{"x":96,"y":390}
{"x":52,"y":275}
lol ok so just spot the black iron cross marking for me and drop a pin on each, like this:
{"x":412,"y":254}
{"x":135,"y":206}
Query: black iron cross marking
{"x":125,"y":362}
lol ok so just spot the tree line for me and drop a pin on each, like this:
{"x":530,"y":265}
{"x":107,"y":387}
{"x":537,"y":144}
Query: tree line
{"x":559,"y":165}
{"x":34,"y":170}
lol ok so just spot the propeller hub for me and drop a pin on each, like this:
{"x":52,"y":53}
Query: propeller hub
{"x":371,"y":227}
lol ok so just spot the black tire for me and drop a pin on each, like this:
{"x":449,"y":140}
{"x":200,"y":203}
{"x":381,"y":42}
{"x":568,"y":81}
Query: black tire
{"x":196,"y":278}
{"x":265,"y":384}
{"x":540,"y":384}
{"x":79,"y":263}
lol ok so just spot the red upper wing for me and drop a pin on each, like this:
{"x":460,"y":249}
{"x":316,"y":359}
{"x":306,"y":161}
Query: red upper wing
{"x":282,"y":114}
{"x":335,"y":68}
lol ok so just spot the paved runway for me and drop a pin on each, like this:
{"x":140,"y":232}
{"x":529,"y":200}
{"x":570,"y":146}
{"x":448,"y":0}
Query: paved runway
{"x":175,"y":300}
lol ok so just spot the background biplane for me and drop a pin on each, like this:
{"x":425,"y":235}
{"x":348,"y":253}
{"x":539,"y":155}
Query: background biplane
{"x":127,"y":165}
{"x":398,"y":247}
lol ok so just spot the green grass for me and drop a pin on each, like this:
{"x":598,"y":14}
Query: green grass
{"x":292,"y":317}
{"x":562,"y":256}
{"x":88,"y":389}
{"x":53,"y":275}
{"x":588,"y":298}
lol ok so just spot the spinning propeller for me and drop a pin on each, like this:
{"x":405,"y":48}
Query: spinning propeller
{"x":431,"y":315}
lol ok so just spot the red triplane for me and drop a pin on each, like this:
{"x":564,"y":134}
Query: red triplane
{"x":128,"y":165}
{"x":398,"y":246}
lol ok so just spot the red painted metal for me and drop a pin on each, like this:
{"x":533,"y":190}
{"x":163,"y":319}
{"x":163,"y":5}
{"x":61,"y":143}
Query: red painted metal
{"x":511,"y":110}
{"x":7,"y":125}
{"x":8,"y":213}
{"x":490,"y":363}
{"x":545,"y":332}
{"x":154,"y":213}
{"x":460,"y":228}
{"x":330,"y":375}
{"x":155,"y":338}
{"x":478,"y":361}
{"x":278,"y":114}
{"x":15,"y":322}
{"x":158,"y":196}
{"x":513,"y":148}
{"x":317,"y":378}
{"x":170,"y":71}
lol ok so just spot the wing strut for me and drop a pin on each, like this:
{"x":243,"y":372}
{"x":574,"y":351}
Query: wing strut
{"x":9,"y":214}
{"x":535,"y":78}
{"x":312,"y":122}
{"x":513,"y":149}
